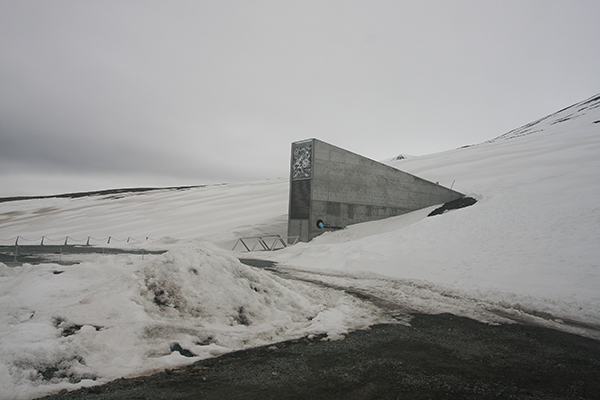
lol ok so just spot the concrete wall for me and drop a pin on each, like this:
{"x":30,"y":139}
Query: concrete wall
{"x":341,"y":188}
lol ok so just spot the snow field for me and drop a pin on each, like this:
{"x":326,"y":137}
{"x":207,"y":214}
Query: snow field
{"x":526,"y":251}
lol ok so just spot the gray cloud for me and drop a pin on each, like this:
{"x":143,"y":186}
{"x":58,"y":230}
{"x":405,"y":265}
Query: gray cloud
{"x":197,"y":92}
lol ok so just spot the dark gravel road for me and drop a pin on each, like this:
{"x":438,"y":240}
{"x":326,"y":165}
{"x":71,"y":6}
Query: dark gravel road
{"x":437,"y":357}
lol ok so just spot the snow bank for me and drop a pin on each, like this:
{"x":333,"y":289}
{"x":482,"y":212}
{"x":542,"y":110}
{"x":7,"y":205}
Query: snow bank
{"x":72,"y":326}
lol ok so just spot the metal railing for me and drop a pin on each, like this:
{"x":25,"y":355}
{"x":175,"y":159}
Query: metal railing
{"x":265,"y":242}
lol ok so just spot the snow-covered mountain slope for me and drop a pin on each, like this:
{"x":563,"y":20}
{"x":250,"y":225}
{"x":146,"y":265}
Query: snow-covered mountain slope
{"x":571,"y":113}
{"x":528,"y":249}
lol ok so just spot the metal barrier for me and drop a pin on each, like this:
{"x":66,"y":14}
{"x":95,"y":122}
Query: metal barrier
{"x":265,"y":242}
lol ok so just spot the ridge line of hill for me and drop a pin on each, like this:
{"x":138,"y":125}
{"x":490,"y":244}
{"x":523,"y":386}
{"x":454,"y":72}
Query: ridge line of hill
{"x":103,"y":192}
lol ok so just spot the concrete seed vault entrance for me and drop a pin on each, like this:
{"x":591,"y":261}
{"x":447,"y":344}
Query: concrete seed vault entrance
{"x":331,"y":188}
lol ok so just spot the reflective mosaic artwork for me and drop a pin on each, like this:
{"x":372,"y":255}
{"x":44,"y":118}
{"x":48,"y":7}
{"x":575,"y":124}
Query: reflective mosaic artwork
{"x":302,"y":160}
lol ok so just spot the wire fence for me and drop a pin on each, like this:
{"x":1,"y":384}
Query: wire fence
{"x":67,"y":240}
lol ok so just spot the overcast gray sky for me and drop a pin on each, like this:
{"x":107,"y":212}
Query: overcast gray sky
{"x":107,"y":94}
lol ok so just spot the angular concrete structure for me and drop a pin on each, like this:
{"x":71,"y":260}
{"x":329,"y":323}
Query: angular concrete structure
{"x":331,"y":188}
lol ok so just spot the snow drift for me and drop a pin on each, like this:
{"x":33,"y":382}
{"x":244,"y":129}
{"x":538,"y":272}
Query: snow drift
{"x":71,"y":326}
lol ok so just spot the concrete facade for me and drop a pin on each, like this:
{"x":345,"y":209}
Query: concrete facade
{"x":331,"y":188}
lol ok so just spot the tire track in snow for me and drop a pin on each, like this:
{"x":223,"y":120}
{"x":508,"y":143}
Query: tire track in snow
{"x":399,"y":299}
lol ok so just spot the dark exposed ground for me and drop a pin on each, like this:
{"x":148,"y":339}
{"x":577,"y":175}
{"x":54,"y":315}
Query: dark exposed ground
{"x":453,"y":205}
{"x":108,"y":192}
{"x":52,"y":253}
{"x":437,"y":357}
